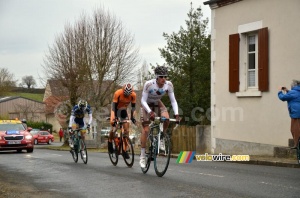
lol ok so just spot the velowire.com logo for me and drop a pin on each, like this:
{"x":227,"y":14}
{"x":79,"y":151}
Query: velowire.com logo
{"x":188,"y":156}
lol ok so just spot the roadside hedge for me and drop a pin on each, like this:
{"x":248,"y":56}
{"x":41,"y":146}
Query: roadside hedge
{"x":40,"y":125}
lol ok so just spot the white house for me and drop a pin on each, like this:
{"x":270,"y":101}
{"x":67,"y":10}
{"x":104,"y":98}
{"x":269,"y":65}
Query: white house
{"x":255,"y":49}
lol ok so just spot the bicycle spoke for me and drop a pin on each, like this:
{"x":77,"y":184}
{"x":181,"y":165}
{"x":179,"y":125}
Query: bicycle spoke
{"x":114,"y":156}
{"x":162,"y":156}
{"x":149,"y":156}
{"x":127,"y":151}
{"x":74,"y":155}
{"x":74,"y":151}
{"x":83,"y":152}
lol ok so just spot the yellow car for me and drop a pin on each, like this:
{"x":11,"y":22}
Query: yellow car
{"x":15,"y":135}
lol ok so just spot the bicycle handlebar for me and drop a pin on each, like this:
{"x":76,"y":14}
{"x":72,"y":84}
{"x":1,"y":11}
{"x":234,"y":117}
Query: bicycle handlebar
{"x":164,"y":119}
{"x":122,"y":122}
{"x":79,"y":129}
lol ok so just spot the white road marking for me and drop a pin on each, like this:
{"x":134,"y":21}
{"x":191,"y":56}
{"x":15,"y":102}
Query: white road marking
{"x":205,"y":174}
{"x":44,"y":155}
{"x":277,"y":185}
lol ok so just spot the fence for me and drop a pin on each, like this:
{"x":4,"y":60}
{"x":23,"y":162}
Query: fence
{"x":183,"y":139}
{"x":191,"y":138}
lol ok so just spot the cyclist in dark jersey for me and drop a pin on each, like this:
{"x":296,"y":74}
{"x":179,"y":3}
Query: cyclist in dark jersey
{"x":77,"y":116}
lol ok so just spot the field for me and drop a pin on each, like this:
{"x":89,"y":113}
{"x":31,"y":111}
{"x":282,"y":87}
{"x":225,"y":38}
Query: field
{"x":33,"y":96}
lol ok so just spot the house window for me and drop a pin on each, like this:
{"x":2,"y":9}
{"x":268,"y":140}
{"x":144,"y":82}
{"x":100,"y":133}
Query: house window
{"x":248,"y":61}
{"x":252,"y":61}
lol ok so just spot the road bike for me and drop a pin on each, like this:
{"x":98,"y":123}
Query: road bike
{"x":78,"y":146}
{"x":121,"y":145}
{"x":155,"y":151}
{"x":298,"y":151}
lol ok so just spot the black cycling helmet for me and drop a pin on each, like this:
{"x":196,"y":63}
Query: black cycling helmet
{"x":82,"y":104}
{"x":161,"y":71}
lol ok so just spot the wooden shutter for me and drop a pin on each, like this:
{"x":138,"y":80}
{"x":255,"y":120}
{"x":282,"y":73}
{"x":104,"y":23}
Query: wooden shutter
{"x":234,"y":48}
{"x":263,"y":59}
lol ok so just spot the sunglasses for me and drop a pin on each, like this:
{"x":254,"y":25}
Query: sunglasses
{"x":162,"y":76}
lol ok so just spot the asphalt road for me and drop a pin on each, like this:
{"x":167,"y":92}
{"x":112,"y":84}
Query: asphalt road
{"x":54,"y":172}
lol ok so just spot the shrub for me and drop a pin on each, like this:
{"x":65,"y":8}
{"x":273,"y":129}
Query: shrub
{"x":40,"y":125}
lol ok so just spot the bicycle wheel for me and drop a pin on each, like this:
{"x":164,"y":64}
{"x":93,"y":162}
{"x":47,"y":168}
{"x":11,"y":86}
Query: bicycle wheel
{"x":114,"y":155}
{"x":74,"y":152}
{"x":149,"y":156}
{"x":83,"y":152}
{"x":129,"y":157}
{"x":162,"y":156}
{"x":298,"y":151}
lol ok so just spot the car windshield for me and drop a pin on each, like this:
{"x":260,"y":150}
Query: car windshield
{"x":8,"y":127}
{"x":34,"y":132}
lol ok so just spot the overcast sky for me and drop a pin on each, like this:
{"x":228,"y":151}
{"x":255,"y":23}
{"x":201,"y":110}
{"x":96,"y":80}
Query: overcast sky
{"x":28,"y":27}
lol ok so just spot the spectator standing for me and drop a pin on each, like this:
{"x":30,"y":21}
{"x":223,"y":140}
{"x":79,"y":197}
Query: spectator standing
{"x":293,"y":101}
{"x":61,"y":134}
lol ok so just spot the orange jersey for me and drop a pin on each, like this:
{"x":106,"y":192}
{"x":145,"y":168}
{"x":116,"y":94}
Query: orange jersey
{"x":122,"y":101}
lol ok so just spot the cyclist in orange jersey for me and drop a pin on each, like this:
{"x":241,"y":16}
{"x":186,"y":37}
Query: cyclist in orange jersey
{"x":121,"y":100}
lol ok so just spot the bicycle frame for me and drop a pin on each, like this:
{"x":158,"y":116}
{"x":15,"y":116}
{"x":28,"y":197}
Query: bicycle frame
{"x":79,"y":146}
{"x":122,"y":144}
{"x":154,"y":147}
{"x":160,"y":126}
{"x":119,"y":130}
{"x":76,"y":137}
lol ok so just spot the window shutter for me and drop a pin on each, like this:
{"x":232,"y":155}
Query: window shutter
{"x":263,"y":59}
{"x":234,"y":48}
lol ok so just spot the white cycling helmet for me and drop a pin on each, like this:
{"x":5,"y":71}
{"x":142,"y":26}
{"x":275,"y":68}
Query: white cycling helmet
{"x":82,"y":105}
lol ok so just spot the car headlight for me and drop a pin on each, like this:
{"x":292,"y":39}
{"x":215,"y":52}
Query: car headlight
{"x":28,"y":137}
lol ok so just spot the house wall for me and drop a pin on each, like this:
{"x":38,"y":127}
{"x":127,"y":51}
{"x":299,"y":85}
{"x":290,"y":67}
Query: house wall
{"x":47,"y":91}
{"x":23,"y":108}
{"x":52,"y":120}
{"x":263,"y":121}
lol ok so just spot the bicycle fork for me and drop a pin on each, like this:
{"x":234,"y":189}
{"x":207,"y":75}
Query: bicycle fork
{"x":77,"y":143}
{"x":152,"y":146}
{"x":161,"y":129}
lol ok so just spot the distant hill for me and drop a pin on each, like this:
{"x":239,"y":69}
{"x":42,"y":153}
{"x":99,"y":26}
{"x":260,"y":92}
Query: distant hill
{"x":25,"y":90}
{"x":34,"y":94}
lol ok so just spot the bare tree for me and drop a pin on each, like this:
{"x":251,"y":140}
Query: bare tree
{"x":6,"y":81}
{"x":112,"y":59}
{"x":29,"y":111}
{"x":143,"y":75}
{"x":61,"y":63}
{"x":28,"y":81}
{"x":92,"y":58}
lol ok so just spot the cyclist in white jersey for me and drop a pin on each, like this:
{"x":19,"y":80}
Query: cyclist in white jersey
{"x":153,"y":91}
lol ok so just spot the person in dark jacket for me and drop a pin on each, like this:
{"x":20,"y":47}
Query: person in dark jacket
{"x":293,"y":101}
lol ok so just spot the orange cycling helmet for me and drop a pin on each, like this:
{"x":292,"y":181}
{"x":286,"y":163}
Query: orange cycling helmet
{"x":127,"y":88}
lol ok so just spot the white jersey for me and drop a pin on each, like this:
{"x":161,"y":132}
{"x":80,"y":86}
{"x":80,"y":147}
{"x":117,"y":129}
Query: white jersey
{"x":152,"y":93}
